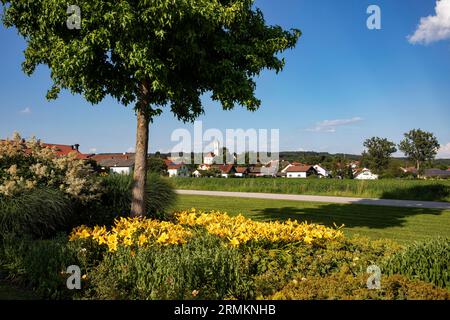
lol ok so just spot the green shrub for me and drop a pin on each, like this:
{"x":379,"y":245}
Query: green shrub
{"x":204,"y":268}
{"x":116,"y":199}
{"x":349,"y":287}
{"x":39,"y":264}
{"x":273,"y":268}
{"x":26,"y":165}
{"x":428,"y":261}
{"x":37,"y":213}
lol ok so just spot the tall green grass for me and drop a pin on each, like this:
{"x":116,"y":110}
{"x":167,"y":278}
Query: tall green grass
{"x":37,"y":213}
{"x":203,"y":265}
{"x":437,"y":190}
{"x":428,"y":261}
{"x":116,"y":199}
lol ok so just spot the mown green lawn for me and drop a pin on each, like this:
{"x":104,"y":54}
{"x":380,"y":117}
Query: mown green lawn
{"x":400,"y":224}
{"x":427,"y":190}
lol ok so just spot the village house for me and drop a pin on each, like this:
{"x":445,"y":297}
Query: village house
{"x":411,"y":170}
{"x":198,"y":173}
{"x":226,"y":170}
{"x":119,"y":163}
{"x":255,"y":172}
{"x":354,"y":164}
{"x":209,"y":159}
{"x":242,"y":172}
{"x":271,"y":168}
{"x":436,"y":173}
{"x":204,"y":167}
{"x":301,"y":172}
{"x":364,"y":174}
{"x":177,"y":169}
{"x":321,"y":171}
{"x":292,"y":164}
{"x":65,"y":150}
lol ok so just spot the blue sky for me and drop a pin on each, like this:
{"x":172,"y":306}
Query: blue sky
{"x":343,"y":83}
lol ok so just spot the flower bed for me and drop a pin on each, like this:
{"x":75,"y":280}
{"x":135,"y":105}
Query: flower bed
{"x":236,"y":230}
{"x":211,"y":255}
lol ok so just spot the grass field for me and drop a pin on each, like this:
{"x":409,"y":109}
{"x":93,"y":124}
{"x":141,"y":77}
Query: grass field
{"x":400,"y":224}
{"x":386,"y":189}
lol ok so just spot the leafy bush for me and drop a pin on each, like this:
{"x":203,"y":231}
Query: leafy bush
{"x":36,"y":213}
{"x":39,"y":264}
{"x":273,"y":268}
{"x":201,"y":269}
{"x":26,"y":165}
{"x":349,"y":287}
{"x":428,"y":261}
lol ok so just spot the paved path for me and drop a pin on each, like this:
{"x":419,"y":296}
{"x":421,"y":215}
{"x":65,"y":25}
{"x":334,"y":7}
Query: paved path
{"x":325,"y":199}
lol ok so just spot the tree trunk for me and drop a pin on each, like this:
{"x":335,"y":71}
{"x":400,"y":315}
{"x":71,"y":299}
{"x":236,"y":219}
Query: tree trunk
{"x":138,"y":202}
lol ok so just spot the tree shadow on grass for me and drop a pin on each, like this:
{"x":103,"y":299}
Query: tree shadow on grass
{"x":351,"y":215}
{"x":435,"y":192}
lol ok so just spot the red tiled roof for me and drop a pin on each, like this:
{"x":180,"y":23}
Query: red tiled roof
{"x":59,"y":149}
{"x":65,"y":150}
{"x":225,"y":168}
{"x":241,"y":169}
{"x":174,"y":166}
{"x":299,"y":169}
{"x":168,"y":162}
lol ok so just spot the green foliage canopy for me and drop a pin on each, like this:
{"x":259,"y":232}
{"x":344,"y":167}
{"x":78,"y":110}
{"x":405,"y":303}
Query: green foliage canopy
{"x":178,"y":49}
{"x":379,"y":151}
{"x":420,"y":146}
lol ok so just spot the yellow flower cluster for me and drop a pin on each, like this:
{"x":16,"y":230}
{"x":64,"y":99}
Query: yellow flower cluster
{"x":237,"y":230}
{"x":133,"y":232}
{"x":240,"y":230}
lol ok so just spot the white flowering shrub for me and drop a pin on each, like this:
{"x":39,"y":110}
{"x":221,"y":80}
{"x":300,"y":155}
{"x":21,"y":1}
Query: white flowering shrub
{"x":26,"y":165}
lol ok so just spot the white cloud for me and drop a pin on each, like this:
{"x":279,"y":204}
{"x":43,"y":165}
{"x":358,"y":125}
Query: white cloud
{"x":27,"y":110}
{"x":331,"y":125}
{"x":130,"y":150}
{"x":433,"y":28}
{"x":444,"y":151}
{"x":93,"y":150}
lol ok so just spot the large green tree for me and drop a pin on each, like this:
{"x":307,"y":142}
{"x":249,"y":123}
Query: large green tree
{"x":419,"y":146}
{"x":378,"y":154}
{"x":156,"y":165}
{"x":152,"y":54}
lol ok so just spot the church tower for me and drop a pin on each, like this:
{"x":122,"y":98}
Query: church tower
{"x":216,"y":148}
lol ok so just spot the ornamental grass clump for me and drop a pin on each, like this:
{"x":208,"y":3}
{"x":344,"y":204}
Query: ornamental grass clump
{"x":116,"y":198}
{"x":428,"y":261}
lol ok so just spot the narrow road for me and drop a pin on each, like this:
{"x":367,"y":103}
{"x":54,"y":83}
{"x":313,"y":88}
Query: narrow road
{"x":325,"y":199}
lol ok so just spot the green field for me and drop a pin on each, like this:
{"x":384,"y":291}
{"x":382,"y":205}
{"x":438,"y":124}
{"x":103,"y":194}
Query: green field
{"x":400,"y":224}
{"x":438,"y":190}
